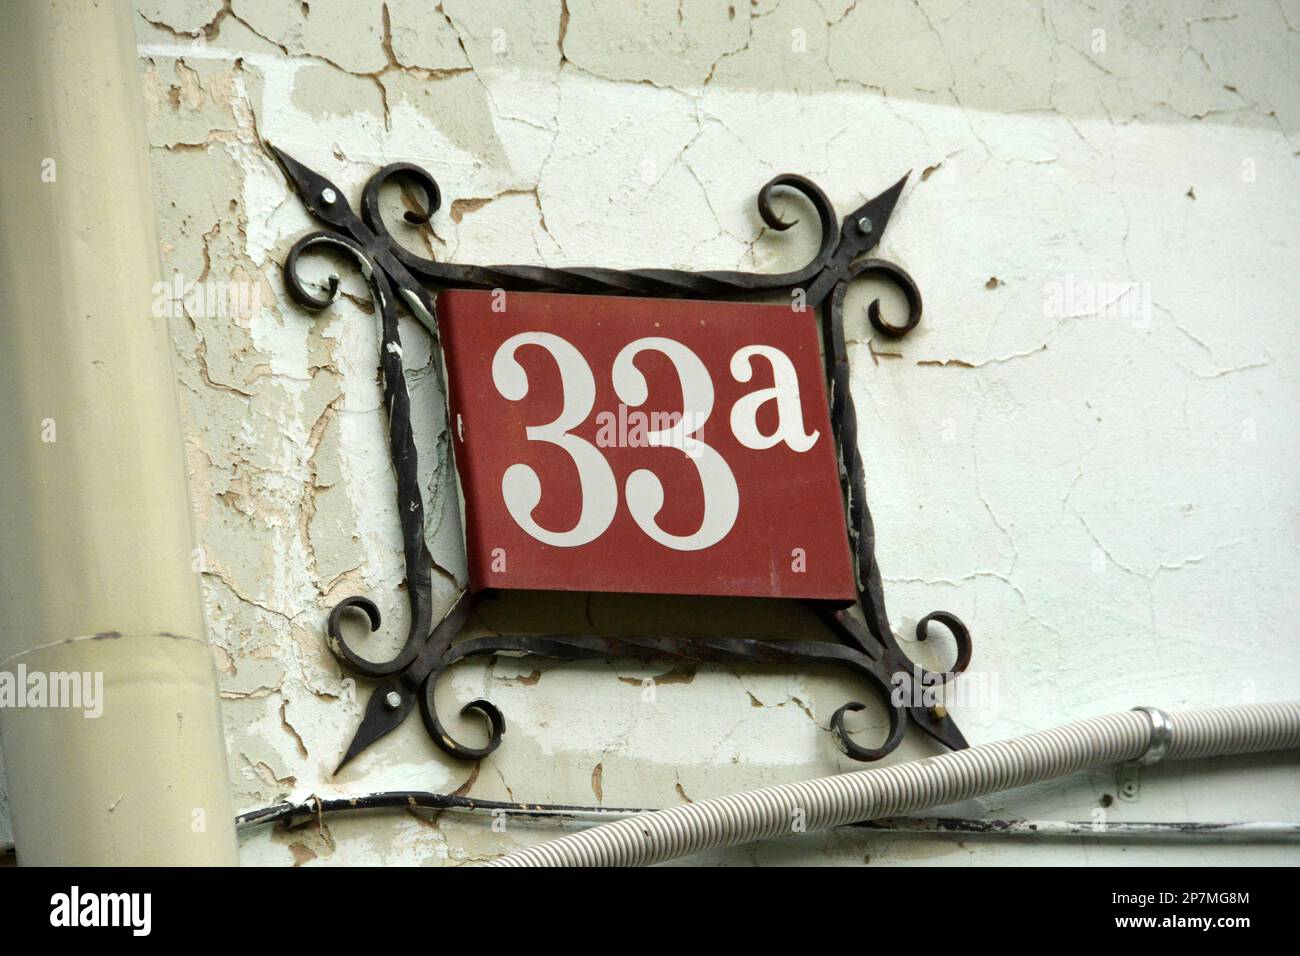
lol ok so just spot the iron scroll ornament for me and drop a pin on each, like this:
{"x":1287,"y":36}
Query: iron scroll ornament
{"x":866,"y":646}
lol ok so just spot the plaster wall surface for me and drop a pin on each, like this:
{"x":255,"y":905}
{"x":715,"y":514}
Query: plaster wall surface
{"x":1087,"y":449}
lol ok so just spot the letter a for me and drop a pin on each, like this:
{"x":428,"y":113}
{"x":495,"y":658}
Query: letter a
{"x":785,"y":392}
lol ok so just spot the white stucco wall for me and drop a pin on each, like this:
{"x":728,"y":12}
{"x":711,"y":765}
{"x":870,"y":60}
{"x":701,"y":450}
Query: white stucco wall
{"x":1103,"y":486}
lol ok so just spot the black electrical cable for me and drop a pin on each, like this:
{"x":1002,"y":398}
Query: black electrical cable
{"x":411,"y":799}
{"x":316,"y":808}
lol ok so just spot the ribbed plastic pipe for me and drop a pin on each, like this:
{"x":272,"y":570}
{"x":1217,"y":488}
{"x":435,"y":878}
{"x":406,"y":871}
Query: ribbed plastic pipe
{"x":919,"y":785}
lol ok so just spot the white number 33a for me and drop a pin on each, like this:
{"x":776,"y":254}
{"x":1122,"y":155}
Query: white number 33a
{"x":522,"y":488}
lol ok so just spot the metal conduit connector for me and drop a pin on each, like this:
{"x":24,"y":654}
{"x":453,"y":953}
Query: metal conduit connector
{"x":1162,"y":736}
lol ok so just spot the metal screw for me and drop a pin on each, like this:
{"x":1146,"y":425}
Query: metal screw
{"x":938,"y":712}
{"x":393,"y":699}
{"x":1129,"y":783}
{"x":865,"y":225}
{"x":328,"y":195}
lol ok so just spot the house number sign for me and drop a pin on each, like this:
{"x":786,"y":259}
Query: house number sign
{"x":652,"y":431}
{"x":644,"y":445}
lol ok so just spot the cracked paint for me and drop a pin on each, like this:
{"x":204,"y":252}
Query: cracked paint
{"x":1108,"y":500}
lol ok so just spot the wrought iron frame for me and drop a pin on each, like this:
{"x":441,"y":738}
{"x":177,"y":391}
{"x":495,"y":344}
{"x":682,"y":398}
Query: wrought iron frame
{"x":865,"y":646}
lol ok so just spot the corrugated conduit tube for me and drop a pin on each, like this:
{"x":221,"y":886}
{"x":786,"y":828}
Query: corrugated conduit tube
{"x":1144,"y":735}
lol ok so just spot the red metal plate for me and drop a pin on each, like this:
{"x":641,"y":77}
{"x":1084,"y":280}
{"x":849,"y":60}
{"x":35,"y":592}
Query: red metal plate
{"x":644,"y":445}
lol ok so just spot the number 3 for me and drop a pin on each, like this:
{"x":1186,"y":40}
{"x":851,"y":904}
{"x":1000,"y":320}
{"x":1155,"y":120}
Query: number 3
{"x":520,"y":486}
{"x":645,"y":492}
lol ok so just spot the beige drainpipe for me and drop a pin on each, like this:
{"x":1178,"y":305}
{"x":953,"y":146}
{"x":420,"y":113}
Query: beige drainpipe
{"x":96,"y":544}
